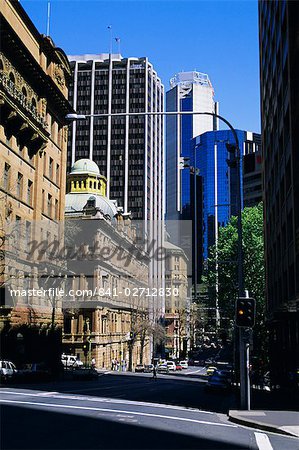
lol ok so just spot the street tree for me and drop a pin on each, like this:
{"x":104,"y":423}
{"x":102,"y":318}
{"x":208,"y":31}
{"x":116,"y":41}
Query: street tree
{"x":226,"y":256}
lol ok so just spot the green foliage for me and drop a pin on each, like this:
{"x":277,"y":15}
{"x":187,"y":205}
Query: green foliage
{"x":254,"y":272}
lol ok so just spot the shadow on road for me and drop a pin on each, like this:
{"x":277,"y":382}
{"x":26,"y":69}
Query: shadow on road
{"x":139,"y":388}
{"x":37,"y":429}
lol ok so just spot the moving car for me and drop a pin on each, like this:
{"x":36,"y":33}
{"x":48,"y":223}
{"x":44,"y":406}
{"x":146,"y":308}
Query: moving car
{"x":148,"y":368}
{"x":184,"y":364}
{"x":211,"y":370}
{"x":70,"y":361}
{"x":171,"y":365}
{"x":219,"y":381}
{"x":162,"y":368}
{"x":139,"y":368}
{"x":7,"y":370}
{"x":178,"y":366}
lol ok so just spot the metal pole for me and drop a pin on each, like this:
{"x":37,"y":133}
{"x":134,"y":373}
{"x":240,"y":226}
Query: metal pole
{"x":195,"y":228}
{"x":241,"y":293}
{"x":217,"y":316}
{"x":247,"y":384}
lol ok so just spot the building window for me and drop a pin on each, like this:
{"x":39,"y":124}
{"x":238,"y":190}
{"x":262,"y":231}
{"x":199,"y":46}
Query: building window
{"x":49,"y":205}
{"x":19,"y":185}
{"x":6,"y":177}
{"x":57,"y":174}
{"x":17,"y":235}
{"x":56,"y":209}
{"x":29,"y":192}
{"x":45,"y":163}
{"x":50,"y":168}
{"x":28,"y":232}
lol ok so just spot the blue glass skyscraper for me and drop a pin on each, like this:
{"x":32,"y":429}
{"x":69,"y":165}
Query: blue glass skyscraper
{"x":218,"y":194}
{"x":190,"y":91}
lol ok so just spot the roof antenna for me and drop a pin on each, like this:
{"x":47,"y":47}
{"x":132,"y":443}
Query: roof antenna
{"x":48,"y":18}
{"x":110,"y":46}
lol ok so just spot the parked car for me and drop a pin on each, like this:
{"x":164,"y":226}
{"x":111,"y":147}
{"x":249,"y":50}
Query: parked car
{"x":163,"y":368}
{"x":7,"y":370}
{"x":184,"y":364}
{"x":148,"y":368}
{"x":139,"y":368}
{"x":211,"y":370}
{"x":70,"y":361}
{"x":219,"y":381}
{"x":171,"y":365}
{"x":178,"y":366}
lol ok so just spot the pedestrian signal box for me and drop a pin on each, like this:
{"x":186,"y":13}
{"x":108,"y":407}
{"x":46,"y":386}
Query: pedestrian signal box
{"x":245,"y":312}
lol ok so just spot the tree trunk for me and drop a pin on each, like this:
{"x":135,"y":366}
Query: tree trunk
{"x":130,"y":365}
{"x":142,"y":342}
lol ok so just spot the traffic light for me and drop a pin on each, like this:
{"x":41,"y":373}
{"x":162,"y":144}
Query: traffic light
{"x":232,"y":160}
{"x":245,"y":312}
{"x":132,"y":334}
{"x":86,"y":346}
{"x":231,"y":148}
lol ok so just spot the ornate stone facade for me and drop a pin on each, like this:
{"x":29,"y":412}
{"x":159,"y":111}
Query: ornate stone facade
{"x":177,"y":307}
{"x":33,"y":106}
{"x":106,"y":313}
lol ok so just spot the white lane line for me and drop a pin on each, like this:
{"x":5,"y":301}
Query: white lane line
{"x":109,"y":400}
{"x":262,"y":441}
{"x":135,"y":413}
{"x":194,"y":371}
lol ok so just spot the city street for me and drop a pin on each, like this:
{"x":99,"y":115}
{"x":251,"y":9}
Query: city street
{"x":126,"y":411}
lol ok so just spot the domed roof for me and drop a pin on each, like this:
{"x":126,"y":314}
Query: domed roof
{"x":85,"y":166}
{"x":75,"y":203}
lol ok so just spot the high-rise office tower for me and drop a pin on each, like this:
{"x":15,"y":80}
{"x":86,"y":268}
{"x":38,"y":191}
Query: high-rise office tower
{"x":128,"y":150}
{"x":189,"y":91}
{"x":217,"y":188}
{"x":279,"y":71}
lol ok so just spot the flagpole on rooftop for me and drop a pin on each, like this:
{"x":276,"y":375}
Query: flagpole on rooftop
{"x":110,"y":38}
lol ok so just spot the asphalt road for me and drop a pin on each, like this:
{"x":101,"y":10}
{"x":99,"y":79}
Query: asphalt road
{"x":84,"y":419}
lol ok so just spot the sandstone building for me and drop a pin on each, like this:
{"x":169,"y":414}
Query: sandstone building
{"x":107,"y":313}
{"x":34,"y":78}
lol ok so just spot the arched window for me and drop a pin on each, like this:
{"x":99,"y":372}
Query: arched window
{"x":24,"y":91}
{"x":1,"y":65}
{"x":33,"y":103}
{"x":12,"y":77}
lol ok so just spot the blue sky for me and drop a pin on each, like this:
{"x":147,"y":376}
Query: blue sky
{"x":219,"y":38}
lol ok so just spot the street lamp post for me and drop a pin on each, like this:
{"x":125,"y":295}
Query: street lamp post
{"x":241,"y":293}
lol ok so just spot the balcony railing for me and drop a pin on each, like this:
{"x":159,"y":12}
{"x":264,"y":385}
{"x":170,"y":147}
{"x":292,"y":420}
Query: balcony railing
{"x":10,"y":88}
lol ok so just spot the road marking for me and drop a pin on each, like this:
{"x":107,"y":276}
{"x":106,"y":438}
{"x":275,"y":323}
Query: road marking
{"x":262,"y":441}
{"x":110,"y":400}
{"x":135,"y":413}
{"x":193,"y":371}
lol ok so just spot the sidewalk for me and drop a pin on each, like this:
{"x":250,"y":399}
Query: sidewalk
{"x":283,"y":422}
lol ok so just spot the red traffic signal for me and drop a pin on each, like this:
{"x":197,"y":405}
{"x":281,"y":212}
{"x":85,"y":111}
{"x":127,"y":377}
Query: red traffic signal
{"x":245,"y":312}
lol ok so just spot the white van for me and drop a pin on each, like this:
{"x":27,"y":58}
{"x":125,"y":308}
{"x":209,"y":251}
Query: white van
{"x":70,"y":361}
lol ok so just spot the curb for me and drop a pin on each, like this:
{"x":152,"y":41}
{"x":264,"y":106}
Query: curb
{"x":259,"y":425}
